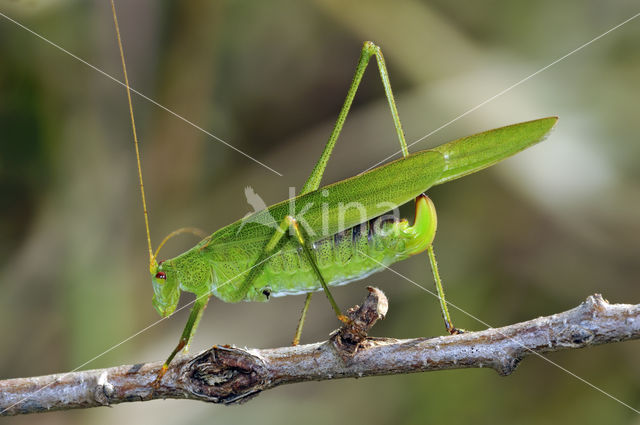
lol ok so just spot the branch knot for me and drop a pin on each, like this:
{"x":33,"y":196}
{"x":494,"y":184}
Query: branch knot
{"x":224,"y":375}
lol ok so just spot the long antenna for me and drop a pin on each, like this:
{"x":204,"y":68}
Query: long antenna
{"x":152,"y":263}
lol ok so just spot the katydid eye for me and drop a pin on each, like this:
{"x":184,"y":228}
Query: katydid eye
{"x":161,"y":275}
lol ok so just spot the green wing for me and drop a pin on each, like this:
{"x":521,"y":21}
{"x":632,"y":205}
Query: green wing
{"x":349,"y":202}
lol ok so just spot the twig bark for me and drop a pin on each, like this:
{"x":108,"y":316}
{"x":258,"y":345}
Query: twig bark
{"x":227,"y":375}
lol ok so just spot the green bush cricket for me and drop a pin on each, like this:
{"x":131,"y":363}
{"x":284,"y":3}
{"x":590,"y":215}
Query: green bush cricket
{"x":332,"y":235}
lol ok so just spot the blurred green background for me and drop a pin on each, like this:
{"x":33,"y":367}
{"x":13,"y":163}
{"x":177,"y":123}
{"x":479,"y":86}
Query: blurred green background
{"x":532,"y":236}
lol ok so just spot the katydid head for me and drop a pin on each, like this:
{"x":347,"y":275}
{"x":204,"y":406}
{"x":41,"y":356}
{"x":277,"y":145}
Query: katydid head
{"x":164,"y":276}
{"x":165,"y":289}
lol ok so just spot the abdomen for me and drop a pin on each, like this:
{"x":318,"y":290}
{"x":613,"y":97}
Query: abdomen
{"x":344,"y":257}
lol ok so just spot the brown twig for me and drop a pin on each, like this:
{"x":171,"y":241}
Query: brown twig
{"x":229,"y":375}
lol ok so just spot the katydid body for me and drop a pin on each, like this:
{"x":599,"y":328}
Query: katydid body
{"x":218,"y":264}
{"x":333,"y":235}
